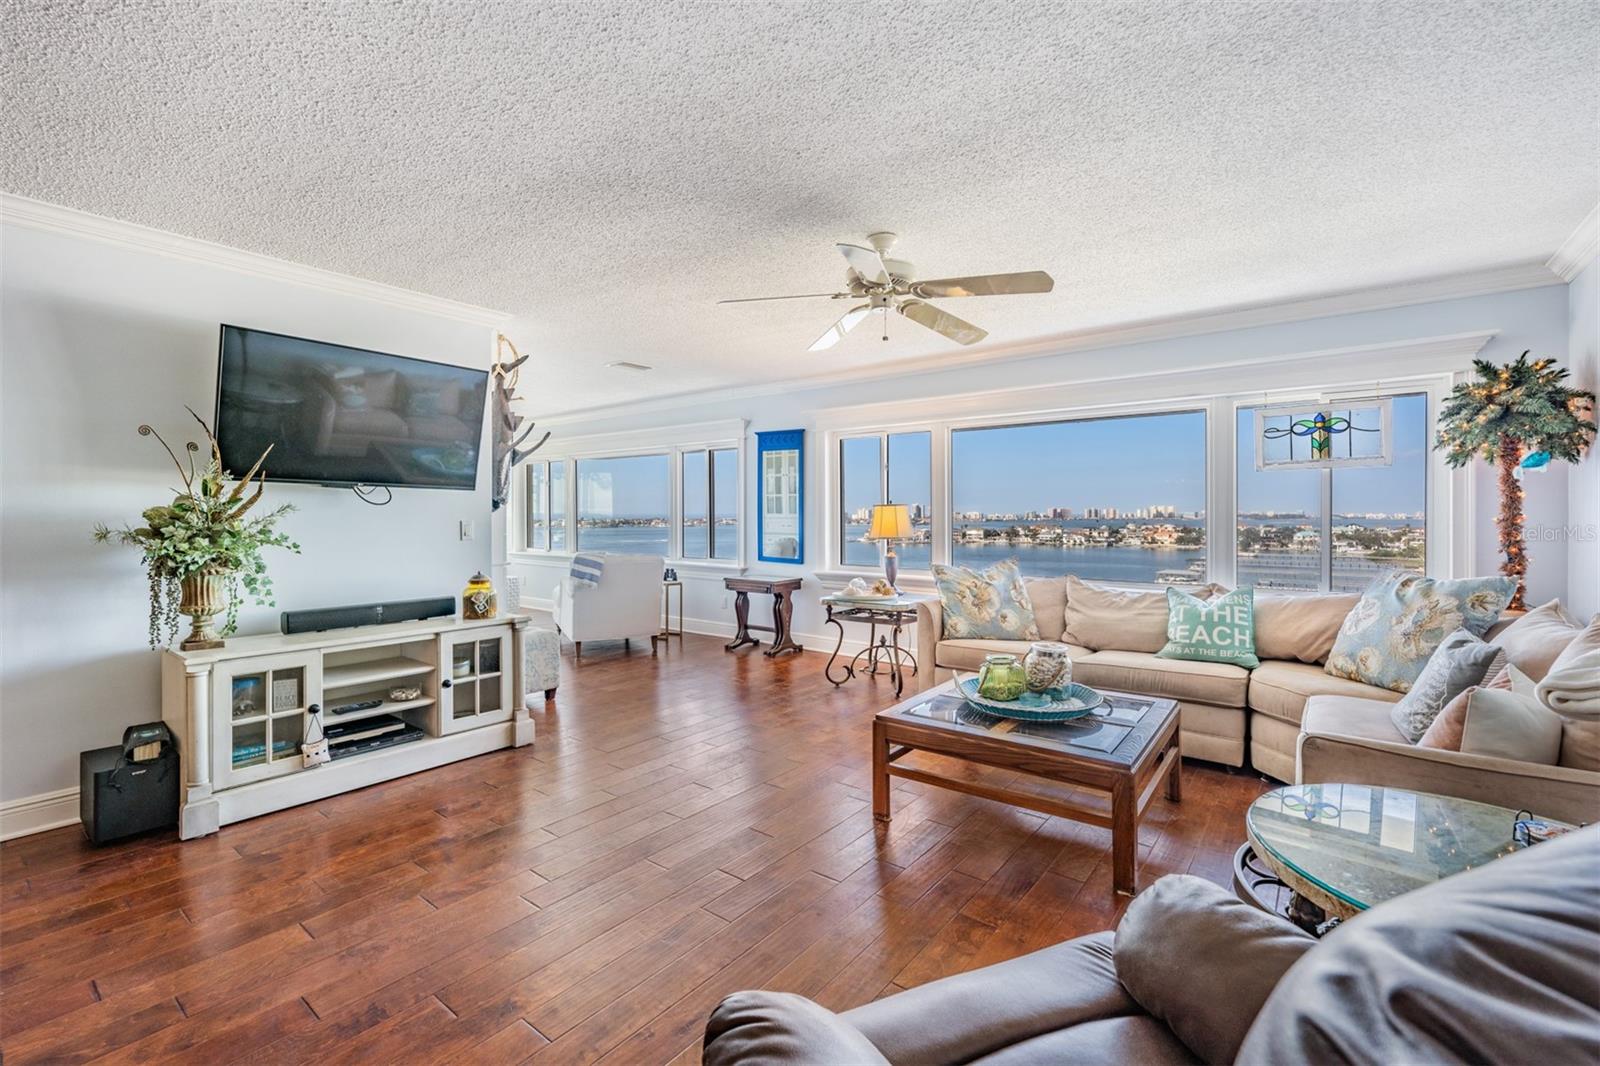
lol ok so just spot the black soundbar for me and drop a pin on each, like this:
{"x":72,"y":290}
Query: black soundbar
{"x":366,"y":614}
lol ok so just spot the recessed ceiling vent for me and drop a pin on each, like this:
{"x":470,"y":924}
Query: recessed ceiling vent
{"x":623,"y":364}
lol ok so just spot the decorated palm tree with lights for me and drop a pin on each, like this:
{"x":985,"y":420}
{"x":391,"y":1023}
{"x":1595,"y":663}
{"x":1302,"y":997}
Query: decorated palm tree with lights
{"x":1519,"y":416}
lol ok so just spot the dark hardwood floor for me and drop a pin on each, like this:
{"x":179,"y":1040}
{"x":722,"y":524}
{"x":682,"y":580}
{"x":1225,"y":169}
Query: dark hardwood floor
{"x":683,"y":827}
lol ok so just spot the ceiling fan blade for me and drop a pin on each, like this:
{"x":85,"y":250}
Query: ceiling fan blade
{"x":942,"y":322}
{"x":800,"y":296}
{"x":845,"y":324}
{"x":986,"y":285}
{"x":864,"y":261}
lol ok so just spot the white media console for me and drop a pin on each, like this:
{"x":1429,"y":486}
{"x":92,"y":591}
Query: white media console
{"x":239,"y":711}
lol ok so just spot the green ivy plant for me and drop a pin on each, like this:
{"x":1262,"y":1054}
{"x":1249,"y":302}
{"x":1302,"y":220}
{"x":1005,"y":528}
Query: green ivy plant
{"x":204,"y":530}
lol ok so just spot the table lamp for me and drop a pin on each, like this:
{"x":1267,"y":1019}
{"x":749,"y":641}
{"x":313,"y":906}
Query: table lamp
{"x":891,"y":523}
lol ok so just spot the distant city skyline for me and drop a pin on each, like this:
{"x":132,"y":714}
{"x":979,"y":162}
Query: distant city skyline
{"x":1121,"y":464}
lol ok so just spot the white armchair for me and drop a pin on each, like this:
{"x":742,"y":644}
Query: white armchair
{"x":626,"y":603}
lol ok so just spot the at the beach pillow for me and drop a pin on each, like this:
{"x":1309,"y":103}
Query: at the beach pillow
{"x":990,"y":604}
{"x":1108,"y":619}
{"x":1218,"y":630}
{"x":1403,"y":617}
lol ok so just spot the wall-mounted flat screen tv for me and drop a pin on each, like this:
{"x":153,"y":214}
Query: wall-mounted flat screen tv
{"x":346,"y":416}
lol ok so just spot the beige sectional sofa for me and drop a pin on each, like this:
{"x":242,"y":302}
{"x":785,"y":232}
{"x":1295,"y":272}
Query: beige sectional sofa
{"x":1226,"y":711}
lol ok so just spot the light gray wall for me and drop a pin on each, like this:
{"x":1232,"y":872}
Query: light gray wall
{"x":1582,"y":529}
{"x":1526,"y":319}
{"x":95,"y":339}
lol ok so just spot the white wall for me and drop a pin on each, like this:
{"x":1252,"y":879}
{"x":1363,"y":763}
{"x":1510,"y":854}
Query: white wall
{"x":1582,"y":529}
{"x":97,"y":338}
{"x":1533,"y":318}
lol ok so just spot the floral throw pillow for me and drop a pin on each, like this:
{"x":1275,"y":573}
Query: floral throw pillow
{"x":1389,"y":636}
{"x":987,"y":604}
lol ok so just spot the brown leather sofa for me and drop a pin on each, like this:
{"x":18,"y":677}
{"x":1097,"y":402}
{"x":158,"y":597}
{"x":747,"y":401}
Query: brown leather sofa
{"x":1497,"y":964}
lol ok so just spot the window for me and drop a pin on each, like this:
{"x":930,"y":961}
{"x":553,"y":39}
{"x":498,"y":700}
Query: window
{"x":1338,"y":528}
{"x":624,"y":504}
{"x":558,"y":505}
{"x":1112,"y":499}
{"x":886,"y":468}
{"x":710,"y":519}
{"x":537,"y":516}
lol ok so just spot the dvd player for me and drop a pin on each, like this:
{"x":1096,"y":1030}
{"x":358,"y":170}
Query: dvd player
{"x":378,"y":743}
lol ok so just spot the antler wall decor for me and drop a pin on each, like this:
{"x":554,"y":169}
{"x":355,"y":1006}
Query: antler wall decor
{"x":508,"y":441}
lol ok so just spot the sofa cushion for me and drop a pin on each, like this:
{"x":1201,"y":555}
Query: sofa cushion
{"x":1049,"y":598}
{"x":1281,"y":689}
{"x":1505,"y":725}
{"x":1387,"y":639}
{"x":1302,"y":628}
{"x":1458,"y":663}
{"x":1226,"y":944}
{"x":987,"y":604}
{"x":778,"y":1028}
{"x":1496,"y":964}
{"x":981,"y":1012}
{"x":1110,"y":619}
{"x":968,"y":654}
{"x":1219,"y":630}
{"x":1537,"y":639}
{"x":1144,"y":673}
{"x":1132,"y":1038}
{"x":1351,"y":716}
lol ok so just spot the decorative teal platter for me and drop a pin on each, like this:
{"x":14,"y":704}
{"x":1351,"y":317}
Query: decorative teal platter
{"x":1051,"y":705}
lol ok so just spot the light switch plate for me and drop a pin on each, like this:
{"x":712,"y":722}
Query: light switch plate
{"x":467,"y":529}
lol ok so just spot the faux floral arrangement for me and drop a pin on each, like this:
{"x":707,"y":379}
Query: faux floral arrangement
{"x":204,"y":536}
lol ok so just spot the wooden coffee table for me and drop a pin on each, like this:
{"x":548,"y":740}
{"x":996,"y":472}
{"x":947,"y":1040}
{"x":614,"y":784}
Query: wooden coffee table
{"x":1120,"y":756}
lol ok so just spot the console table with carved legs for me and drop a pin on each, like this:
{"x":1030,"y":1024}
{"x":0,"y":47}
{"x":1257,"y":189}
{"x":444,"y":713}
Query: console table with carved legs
{"x":782,"y":592}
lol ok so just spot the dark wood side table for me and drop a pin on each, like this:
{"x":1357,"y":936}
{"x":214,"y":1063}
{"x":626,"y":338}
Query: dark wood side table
{"x":782,"y":592}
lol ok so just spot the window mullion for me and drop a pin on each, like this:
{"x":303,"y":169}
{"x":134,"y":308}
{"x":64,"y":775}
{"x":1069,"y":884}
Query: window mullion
{"x":1327,"y":529}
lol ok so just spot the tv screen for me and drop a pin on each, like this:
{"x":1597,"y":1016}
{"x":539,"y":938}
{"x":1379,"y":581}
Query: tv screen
{"x":346,"y":416}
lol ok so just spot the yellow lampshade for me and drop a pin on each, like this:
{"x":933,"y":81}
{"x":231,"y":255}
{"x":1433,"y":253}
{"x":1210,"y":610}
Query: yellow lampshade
{"x":890,"y":521}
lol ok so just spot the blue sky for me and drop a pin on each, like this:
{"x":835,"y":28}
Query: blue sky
{"x":1124,"y":463}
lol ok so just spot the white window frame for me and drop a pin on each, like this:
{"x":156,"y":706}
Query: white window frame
{"x":837,"y":511}
{"x":1436,"y":491}
{"x":1427,"y":365}
{"x":671,"y":442}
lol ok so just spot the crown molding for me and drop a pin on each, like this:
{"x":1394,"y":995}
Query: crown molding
{"x":1508,"y":278}
{"x":1580,"y":247}
{"x":53,"y":218}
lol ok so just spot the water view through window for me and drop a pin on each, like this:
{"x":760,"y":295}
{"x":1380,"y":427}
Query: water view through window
{"x":1288,"y":535}
{"x":623,"y":504}
{"x":1110,"y":499}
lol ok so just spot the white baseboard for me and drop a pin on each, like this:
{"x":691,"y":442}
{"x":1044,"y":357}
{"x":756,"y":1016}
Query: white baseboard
{"x":34,"y":814}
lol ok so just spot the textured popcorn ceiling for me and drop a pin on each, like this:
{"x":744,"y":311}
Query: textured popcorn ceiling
{"x":608,"y":171}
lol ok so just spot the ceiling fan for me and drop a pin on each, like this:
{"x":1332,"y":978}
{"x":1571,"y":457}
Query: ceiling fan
{"x":886,"y":283}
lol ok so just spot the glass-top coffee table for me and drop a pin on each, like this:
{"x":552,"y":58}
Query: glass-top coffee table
{"x":1115,"y":760}
{"x":1344,"y":848}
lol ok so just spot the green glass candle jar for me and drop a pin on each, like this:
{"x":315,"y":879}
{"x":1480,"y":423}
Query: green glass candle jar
{"x":1001,"y":678}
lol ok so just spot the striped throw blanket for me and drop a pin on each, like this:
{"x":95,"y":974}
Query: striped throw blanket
{"x":586,"y":571}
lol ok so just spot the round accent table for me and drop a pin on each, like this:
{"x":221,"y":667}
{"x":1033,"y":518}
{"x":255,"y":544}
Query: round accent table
{"x":1340,"y":849}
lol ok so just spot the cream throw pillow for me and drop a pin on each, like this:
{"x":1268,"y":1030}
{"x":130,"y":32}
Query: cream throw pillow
{"x":1534,"y":641}
{"x":1300,"y":628}
{"x":1497,"y":723}
{"x":1107,"y":619}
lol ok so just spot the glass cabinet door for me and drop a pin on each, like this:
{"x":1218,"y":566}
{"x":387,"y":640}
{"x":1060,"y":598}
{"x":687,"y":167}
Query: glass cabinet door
{"x":259,"y":707}
{"x":477,"y":678}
